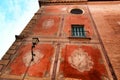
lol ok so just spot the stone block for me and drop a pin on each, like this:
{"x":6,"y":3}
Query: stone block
{"x":6,"y":56}
{"x":1,"y":66}
{"x":13,"y":47}
{"x":4,"y":62}
{"x":16,"y":43}
{"x":11,"y":52}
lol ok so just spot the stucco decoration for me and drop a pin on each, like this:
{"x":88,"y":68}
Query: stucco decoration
{"x":80,"y":60}
{"x":27,"y":58}
{"x":48,"y":23}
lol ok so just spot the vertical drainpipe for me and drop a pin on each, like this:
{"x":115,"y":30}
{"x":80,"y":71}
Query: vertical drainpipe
{"x":103,"y":47}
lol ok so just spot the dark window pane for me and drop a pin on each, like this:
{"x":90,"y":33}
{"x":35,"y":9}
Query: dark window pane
{"x":76,"y":11}
{"x":78,"y":31}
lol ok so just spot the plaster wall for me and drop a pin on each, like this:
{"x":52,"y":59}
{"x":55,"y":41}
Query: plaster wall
{"x":57,"y":55}
{"x":107,"y":18}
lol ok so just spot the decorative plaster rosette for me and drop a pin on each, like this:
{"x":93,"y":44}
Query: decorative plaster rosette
{"x":28,"y":56}
{"x":48,"y":23}
{"x":80,"y":60}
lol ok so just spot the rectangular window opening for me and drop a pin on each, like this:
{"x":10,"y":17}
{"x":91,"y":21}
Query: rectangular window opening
{"x":78,"y":31}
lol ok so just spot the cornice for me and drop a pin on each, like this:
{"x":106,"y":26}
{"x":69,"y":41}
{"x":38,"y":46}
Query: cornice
{"x":74,"y":2}
{"x":61,"y":2}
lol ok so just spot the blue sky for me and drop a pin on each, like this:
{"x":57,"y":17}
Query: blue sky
{"x":14,"y":16}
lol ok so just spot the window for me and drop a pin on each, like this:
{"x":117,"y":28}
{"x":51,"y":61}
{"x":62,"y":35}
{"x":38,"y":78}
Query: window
{"x":78,"y":31}
{"x":76,"y":11}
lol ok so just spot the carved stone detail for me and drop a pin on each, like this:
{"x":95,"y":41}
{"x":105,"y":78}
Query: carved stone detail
{"x":48,"y":23}
{"x":27,"y":58}
{"x":80,"y":60}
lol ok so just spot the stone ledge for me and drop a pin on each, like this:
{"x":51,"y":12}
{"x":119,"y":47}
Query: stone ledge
{"x":10,"y":77}
{"x":35,"y":78}
{"x":79,"y":38}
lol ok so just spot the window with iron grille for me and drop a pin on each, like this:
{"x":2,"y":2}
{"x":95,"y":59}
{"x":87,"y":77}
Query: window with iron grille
{"x":78,"y":31}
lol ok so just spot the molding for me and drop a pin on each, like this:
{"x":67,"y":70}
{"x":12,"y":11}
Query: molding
{"x":102,"y":2}
{"x":64,"y":2}
{"x":79,"y":38}
{"x":42,"y":3}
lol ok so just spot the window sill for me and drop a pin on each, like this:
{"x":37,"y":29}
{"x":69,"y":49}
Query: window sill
{"x":84,"y":38}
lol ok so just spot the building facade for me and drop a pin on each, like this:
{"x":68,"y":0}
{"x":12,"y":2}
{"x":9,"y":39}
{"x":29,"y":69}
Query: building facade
{"x":76,"y":40}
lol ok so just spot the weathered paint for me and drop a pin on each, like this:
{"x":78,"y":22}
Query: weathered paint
{"x":52,"y":25}
{"x":52,"y":30}
{"x":18,"y":67}
{"x":96,"y":73}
